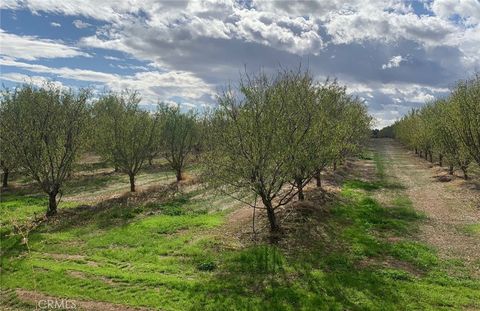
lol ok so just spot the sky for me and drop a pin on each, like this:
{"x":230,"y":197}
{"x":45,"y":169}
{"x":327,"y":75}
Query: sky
{"x":395,"y":55}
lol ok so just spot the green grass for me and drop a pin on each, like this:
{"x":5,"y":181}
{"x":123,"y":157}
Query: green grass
{"x":131,"y":261}
{"x":380,"y":166}
{"x":20,"y":207}
{"x":472,"y":229}
{"x":345,"y":270}
{"x":360,"y":255}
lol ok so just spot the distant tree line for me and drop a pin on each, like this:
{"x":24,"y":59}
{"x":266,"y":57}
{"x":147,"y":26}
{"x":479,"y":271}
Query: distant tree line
{"x":269,"y":136}
{"x":386,"y":132}
{"x":447,"y":127}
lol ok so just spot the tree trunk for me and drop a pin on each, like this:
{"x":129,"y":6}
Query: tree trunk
{"x":179,"y":175}
{"x":150,"y":161}
{"x":272,"y":219}
{"x":318,"y":178}
{"x":426,"y":155}
{"x":334,"y":166}
{"x":52,"y":203}
{"x":440,"y":159}
{"x":464,"y":170}
{"x":420,"y":154}
{"x":430,"y":155}
{"x":416,"y":150}
{"x":132,"y":182}
{"x":450,"y":169}
{"x":299,"y":184}
{"x":5,"y":178}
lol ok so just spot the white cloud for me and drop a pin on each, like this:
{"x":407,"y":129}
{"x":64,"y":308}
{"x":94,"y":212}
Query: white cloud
{"x":364,"y":25}
{"x":294,"y":34}
{"x":54,"y":24}
{"x":9,"y":4}
{"x":112,"y":58}
{"x":29,"y":79}
{"x":153,"y":85}
{"x":467,"y":10}
{"x":204,"y":43}
{"x":101,"y":10}
{"x":80,"y":24}
{"x":132,"y":67}
{"x":393,"y":62}
{"x":296,"y":29}
{"x":32,"y":48}
{"x":422,"y":98}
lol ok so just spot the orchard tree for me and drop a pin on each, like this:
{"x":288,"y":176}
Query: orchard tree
{"x":202,"y":124}
{"x":8,"y":158}
{"x":445,"y":136}
{"x":256,"y":138}
{"x":407,"y":131}
{"x":325,"y":112}
{"x":465,"y":101}
{"x":47,"y":128}
{"x":297,"y":89}
{"x":125,"y":133}
{"x":178,"y":136}
{"x":356,"y":123}
{"x":351,"y":127}
{"x":448,"y":126}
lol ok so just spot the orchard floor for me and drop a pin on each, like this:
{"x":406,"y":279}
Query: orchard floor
{"x":386,"y":235}
{"x":452,"y":208}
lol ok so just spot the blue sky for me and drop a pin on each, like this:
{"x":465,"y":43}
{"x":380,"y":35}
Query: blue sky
{"x":394,"y":54}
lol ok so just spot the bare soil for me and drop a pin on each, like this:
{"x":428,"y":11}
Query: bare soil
{"x":448,"y":205}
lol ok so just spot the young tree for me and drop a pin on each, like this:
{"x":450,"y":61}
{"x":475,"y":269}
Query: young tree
{"x":178,"y":136}
{"x":326,"y":113}
{"x":407,"y":131}
{"x":298,"y":89}
{"x":465,"y":100}
{"x":255,"y":139}
{"x":351,"y":127}
{"x":47,"y":125}
{"x":8,"y":158}
{"x":356,"y":123}
{"x":439,"y":126}
{"x":445,"y":137}
{"x":125,"y":133}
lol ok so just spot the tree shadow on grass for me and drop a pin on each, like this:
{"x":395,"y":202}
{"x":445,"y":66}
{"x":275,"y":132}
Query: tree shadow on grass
{"x":338,"y":257}
{"x":107,"y":214}
{"x":374,"y":185}
{"x":93,"y":182}
{"x":113,"y":212}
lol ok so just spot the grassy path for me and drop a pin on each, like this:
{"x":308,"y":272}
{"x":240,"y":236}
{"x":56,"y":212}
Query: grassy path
{"x":452,"y":219}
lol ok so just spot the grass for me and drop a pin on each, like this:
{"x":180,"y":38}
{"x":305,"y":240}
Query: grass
{"x":346,"y":270}
{"x":380,"y":166}
{"x":472,"y":229}
{"x":20,"y":207}
{"x":117,"y":263}
{"x":169,"y":255}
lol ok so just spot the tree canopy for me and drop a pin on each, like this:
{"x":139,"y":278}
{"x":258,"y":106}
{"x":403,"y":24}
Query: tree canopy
{"x":45,"y":128}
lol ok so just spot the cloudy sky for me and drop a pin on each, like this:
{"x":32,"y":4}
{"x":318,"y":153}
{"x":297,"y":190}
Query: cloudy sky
{"x":394,"y":54}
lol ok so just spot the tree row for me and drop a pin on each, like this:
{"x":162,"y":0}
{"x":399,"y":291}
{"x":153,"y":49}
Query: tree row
{"x":447,"y":127}
{"x":267,"y":137}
